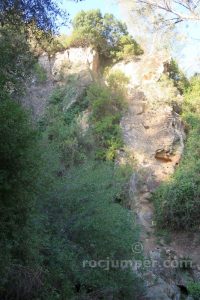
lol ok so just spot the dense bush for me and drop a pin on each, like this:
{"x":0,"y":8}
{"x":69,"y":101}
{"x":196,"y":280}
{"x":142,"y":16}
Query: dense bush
{"x":82,"y":219}
{"x":15,"y":60}
{"x":194,"y":289}
{"x":107,"y":105}
{"x":126,"y":48}
{"x":84,"y":223}
{"x":179,"y":79}
{"x":117,"y":81}
{"x":192,"y":96}
{"x":19,"y":159}
{"x":40,"y":73}
{"x":51,"y":222}
{"x":61,"y":124}
{"x":177,"y":202}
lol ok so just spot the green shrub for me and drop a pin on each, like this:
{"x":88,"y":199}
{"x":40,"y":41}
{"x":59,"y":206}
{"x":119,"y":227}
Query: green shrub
{"x":84,"y":223}
{"x":61,"y":127}
{"x":78,"y":39}
{"x":83,"y":219}
{"x":117,"y":81}
{"x":40,"y":73}
{"x":64,"y":41}
{"x":19,"y":170}
{"x":192,"y":95}
{"x":177,"y":203}
{"x":194,"y":289}
{"x":41,"y":42}
{"x":179,"y":79}
{"x":16,"y":60}
{"x":107,"y":107}
{"x":127,"y":48}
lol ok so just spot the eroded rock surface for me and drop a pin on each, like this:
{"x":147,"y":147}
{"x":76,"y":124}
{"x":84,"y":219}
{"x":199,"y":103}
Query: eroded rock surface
{"x":81,"y":64}
{"x":84,"y":61}
{"x":154,"y":136}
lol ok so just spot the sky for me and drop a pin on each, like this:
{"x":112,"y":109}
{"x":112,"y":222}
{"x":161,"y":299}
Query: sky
{"x":106,"y":6}
{"x":186,"y":51}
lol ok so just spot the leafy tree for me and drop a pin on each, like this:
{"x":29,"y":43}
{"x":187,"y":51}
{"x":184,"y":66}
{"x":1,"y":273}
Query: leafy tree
{"x":22,"y":23}
{"x":179,"y":79}
{"x":41,"y":13}
{"x":105,"y":33}
{"x":15,"y":60}
{"x":18,"y":173}
{"x":127,"y":48}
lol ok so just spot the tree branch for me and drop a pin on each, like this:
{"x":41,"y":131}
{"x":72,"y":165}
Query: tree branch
{"x":167,"y":5}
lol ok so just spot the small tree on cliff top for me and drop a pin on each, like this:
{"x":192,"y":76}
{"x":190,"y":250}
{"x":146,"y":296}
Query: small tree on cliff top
{"x":106,"y":33}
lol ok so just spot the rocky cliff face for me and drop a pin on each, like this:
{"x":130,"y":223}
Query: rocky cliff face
{"x":81,"y":63}
{"x":154,"y":137}
{"x":153,"y":134}
{"x":152,"y":128}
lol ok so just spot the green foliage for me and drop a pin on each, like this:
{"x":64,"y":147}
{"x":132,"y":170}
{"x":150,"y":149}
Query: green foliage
{"x":19,"y":170}
{"x":192,"y":95}
{"x":43,"y":14}
{"x":117,"y":81}
{"x":127,"y":48}
{"x":61,"y":124}
{"x":179,"y":79}
{"x":194,"y":289}
{"x":64,"y":41}
{"x":15,"y":60}
{"x":63,"y":221}
{"x":40,"y":73}
{"x":177,"y":202}
{"x":108,"y":35}
{"x":84,"y":223}
{"x":41,"y":42}
{"x":107,"y":107}
{"x":54,"y":216}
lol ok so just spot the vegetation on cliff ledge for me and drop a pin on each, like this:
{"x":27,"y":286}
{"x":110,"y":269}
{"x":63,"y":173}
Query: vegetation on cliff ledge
{"x":177,"y":201}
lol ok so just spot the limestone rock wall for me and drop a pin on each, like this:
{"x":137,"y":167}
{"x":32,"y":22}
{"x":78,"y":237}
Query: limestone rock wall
{"x":152,"y":129}
{"x":80,"y":63}
{"x":70,"y":61}
{"x":154,"y":137}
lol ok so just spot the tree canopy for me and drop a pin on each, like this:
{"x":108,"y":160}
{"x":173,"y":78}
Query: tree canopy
{"x":42,"y":13}
{"x":105,"y":32}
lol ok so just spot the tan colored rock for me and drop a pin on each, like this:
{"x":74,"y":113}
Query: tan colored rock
{"x":147,"y":196}
{"x":147,"y":68}
{"x":163,"y":155}
{"x":71,"y":61}
{"x":154,"y":133}
{"x":81,"y":64}
{"x":151,"y":128}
